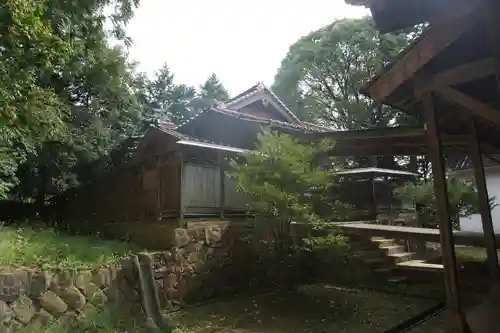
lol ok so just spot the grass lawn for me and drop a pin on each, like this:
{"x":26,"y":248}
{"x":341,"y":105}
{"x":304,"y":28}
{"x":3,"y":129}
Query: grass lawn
{"x":311,"y":309}
{"x":49,"y":249}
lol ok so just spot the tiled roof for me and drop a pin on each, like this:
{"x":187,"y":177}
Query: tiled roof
{"x":248,"y":117}
{"x":259,"y":87}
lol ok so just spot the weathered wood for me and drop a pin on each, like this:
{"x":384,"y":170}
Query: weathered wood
{"x":159,"y":189}
{"x":458,"y":322}
{"x":474,"y":106}
{"x":461,"y":74}
{"x":484,"y":208}
{"x":181,"y":191}
{"x":222,"y":178}
{"x":201,"y":186}
{"x":436,"y":39}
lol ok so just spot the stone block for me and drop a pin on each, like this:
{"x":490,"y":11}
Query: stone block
{"x":6,"y":313}
{"x":73,"y":297}
{"x":101,"y":277}
{"x":10,"y":327}
{"x":181,"y":237}
{"x":24,"y":309}
{"x":40,"y":319}
{"x":64,"y":279}
{"x":94,"y":294}
{"x":170,"y":282}
{"x":13,"y":285}
{"x":68,"y":318}
{"x":39,"y":282}
{"x":83,"y":278}
{"x":213,"y":234}
{"x":52,"y":303}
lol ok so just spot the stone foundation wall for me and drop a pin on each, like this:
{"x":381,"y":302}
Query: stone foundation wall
{"x":217,"y":260}
{"x":38,"y":298}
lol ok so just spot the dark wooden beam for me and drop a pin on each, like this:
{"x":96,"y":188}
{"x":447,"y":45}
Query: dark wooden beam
{"x":484,"y":207}
{"x":465,"y":73}
{"x":435,"y":40}
{"x":458,"y":322}
{"x":222,"y":188}
{"x":491,"y":10}
{"x":475,"y":107}
{"x":182,"y":207}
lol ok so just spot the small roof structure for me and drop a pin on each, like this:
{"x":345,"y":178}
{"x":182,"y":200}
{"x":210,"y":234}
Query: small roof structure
{"x":380,"y":171}
{"x":391,"y":141}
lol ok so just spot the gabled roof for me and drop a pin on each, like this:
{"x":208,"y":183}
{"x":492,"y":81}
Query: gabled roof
{"x":251,"y":118}
{"x":260,"y":91}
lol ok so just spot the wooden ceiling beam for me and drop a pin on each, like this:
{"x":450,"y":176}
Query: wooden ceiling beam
{"x":462,"y":74}
{"x":435,"y":40}
{"x":477,"y":108}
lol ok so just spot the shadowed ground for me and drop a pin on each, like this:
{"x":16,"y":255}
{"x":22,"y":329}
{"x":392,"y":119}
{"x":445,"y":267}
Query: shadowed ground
{"x":313,"y":308}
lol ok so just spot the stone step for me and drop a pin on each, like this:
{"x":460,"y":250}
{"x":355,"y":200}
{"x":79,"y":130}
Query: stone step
{"x":393,"y":249}
{"x":401,"y":257}
{"x":420,"y":265}
{"x":383,"y":242}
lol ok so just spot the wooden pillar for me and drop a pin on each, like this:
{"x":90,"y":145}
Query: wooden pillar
{"x":484,"y":208}
{"x":458,"y":323}
{"x":220,"y":162}
{"x":159,"y":189}
{"x":374,"y":199}
{"x":181,"y":191}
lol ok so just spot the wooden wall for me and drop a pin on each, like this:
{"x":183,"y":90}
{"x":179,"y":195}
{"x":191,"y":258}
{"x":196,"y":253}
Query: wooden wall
{"x":202,"y":190}
{"x":151,"y":191}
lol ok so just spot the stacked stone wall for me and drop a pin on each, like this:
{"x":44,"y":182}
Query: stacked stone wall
{"x":37,"y":298}
{"x":218,"y":260}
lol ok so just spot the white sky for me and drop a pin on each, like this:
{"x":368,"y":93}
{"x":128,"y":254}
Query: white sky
{"x":242,"y":41}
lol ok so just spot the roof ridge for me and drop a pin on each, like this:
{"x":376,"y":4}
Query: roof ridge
{"x":263,"y":120}
{"x":260,"y":86}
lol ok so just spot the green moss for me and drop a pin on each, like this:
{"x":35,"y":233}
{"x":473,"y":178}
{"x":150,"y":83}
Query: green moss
{"x":50,"y":249}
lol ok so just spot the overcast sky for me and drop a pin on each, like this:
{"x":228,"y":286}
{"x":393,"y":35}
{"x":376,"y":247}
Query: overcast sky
{"x":242,"y":41}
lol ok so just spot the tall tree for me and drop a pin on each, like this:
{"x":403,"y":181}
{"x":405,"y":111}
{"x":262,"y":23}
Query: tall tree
{"x":211,"y":90}
{"x":63,"y":91}
{"x":323,"y":73}
{"x":162,"y":98}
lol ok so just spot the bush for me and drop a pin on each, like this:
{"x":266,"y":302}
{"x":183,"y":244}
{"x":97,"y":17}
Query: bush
{"x":462,"y":196}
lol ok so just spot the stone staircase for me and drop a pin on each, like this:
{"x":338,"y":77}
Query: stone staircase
{"x":383,"y":256}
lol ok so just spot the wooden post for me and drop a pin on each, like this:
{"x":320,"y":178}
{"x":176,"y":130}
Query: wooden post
{"x":458,"y":323}
{"x":159,"y":191}
{"x":181,"y":190}
{"x":484,"y":208}
{"x":374,"y":208}
{"x":222,"y":189}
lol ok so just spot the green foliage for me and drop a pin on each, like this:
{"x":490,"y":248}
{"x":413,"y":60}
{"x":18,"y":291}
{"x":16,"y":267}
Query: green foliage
{"x":324,"y":72}
{"x":462,"y":196}
{"x":322,"y":76}
{"x":65,"y":94}
{"x":210,"y":91}
{"x":280,"y":179}
{"x":49,"y":249}
{"x":162,"y":98}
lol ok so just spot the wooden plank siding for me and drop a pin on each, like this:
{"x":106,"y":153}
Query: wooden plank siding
{"x":150,"y":191}
{"x":202,"y":191}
